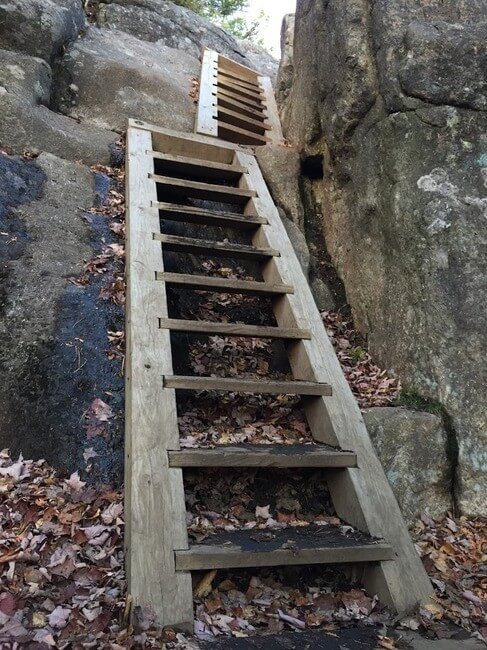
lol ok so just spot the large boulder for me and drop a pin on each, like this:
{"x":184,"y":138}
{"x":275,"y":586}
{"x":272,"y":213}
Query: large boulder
{"x":27,"y":124}
{"x":110,"y":76}
{"x":392,"y":94}
{"x":412,"y":447}
{"x":180,"y":28}
{"x":40,"y":27}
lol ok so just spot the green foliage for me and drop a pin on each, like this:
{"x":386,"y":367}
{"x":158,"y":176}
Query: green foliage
{"x":356,"y":354}
{"x":222,"y":13}
{"x":416,"y":402}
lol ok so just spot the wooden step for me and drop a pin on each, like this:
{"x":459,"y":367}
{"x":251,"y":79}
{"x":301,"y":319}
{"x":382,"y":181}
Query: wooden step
{"x":261,"y":386}
{"x":233,"y":329}
{"x":241,"y":108}
{"x":227,"y":285}
{"x":244,"y":122}
{"x":241,"y":82}
{"x":289,"y":546}
{"x":256,"y":105}
{"x":207,"y":168}
{"x":215,"y":248}
{"x":202,"y":216}
{"x":205,"y":191}
{"x":263,"y":456}
{"x":233,"y":133}
{"x":247,"y":93}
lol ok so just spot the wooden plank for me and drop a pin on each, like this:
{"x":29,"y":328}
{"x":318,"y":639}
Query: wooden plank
{"x":185,"y":165}
{"x":251,"y":85}
{"x":214,"y":248}
{"x":254,"y":95}
{"x":205,"y":557}
{"x":154,"y":493}
{"x":272,"y":111}
{"x":200,"y":146}
{"x":242,"y":136}
{"x":189,"y":214}
{"x":235,"y":385}
{"x":308,"y":545}
{"x":237,"y":119}
{"x":226,"y":285}
{"x":208,"y":191}
{"x":227,"y":102}
{"x":256,"y":105}
{"x":363,"y":495}
{"x":206,"y":113}
{"x":263,"y":456}
{"x":232,"y":329}
{"x":238,"y":69}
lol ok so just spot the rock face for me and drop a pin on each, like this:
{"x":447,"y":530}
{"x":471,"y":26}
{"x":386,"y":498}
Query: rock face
{"x":27,"y":124}
{"x":410,"y":445}
{"x":40,"y":27}
{"x":392,"y":94}
{"x":108,"y":76}
{"x":286,"y":66}
{"x":181,"y":29}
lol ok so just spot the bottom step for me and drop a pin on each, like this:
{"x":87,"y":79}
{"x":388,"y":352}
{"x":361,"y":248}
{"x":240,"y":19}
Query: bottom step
{"x":306,"y":545}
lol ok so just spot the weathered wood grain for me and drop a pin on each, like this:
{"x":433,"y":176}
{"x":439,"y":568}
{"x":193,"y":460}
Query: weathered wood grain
{"x":263,"y":456}
{"x":189,"y":214}
{"x":206,"y":114}
{"x":214,"y":248}
{"x":236,"y":385}
{"x":205,"y":191}
{"x":232,"y":329}
{"x":230,"y":285}
{"x":154,"y":494}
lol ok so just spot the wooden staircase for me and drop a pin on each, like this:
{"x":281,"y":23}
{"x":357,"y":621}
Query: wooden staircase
{"x":166,"y":172}
{"x":236,"y":103}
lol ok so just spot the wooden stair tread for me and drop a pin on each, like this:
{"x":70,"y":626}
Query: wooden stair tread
{"x":203,"y":216}
{"x":221,"y":249}
{"x":259,"y":386}
{"x":196,"y":189}
{"x":256,"y":105}
{"x":290,"y":546}
{"x":209,"y":168}
{"x":229,"y":131}
{"x":263,"y":456}
{"x":241,"y":82}
{"x":233,"y":104}
{"x":237,"y":119}
{"x":230,"y":285}
{"x":254,"y":95}
{"x":233,"y":329}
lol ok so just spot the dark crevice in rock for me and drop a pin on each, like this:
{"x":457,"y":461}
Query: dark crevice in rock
{"x":321,"y":265}
{"x":452,"y":453}
{"x":312,"y":167}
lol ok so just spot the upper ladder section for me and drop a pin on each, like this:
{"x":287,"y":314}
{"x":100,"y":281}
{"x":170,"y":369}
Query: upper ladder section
{"x":236,"y":104}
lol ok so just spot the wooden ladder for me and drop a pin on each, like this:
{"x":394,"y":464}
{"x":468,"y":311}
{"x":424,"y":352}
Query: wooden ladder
{"x":159,"y":557}
{"x":236,"y":103}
